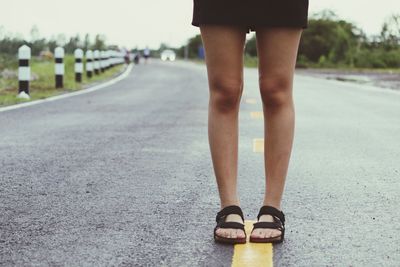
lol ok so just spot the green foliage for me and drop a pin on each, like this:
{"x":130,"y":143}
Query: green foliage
{"x":390,"y":33}
{"x":9,"y":44}
{"x":377,"y":58}
{"x":329,"y":42}
{"x":193,"y":46}
{"x":251,"y":47}
{"x":8,"y":61}
{"x":99,"y":42}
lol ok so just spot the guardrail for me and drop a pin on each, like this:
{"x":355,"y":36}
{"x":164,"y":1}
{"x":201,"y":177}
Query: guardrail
{"x":97,"y":62}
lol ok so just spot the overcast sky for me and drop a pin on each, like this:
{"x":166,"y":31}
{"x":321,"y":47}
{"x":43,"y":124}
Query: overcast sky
{"x":140,"y":23}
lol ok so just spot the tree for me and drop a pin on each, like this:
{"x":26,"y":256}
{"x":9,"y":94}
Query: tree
{"x":86,"y":42}
{"x":99,"y":42}
{"x":193,"y":46}
{"x":251,"y":47}
{"x":73,"y":43}
{"x":390,"y":33}
{"x":330,"y":40}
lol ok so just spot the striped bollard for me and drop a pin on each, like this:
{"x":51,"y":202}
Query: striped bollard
{"x":106,"y":65}
{"x":105,"y":60}
{"x":89,"y":64}
{"x":111,"y":58}
{"x":59,"y":68}
{"x":78,"y":64}
{"x":114,"y":58}
{"x":96,"y":62}
{"x":108,"y":59}
{"x":102,"y":62}
{"x":24,"y":71}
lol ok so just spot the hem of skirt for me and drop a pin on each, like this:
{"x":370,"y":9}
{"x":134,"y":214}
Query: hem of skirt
{"x":253,"y":26}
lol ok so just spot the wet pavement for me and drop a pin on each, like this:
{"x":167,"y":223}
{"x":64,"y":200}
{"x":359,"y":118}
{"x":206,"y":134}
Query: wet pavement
{"x":379,"y":78}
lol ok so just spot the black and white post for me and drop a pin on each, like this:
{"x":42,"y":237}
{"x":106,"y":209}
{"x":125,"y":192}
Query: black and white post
{"x":111,"y":58}
{"x":59,"y":67}
{"x":96,"y":62}
{"x":107,"y":59}
{"x":102,"y":62}
{"x":78,"y":53}
{"x":89,"y":64}
{"x":24,"y":71}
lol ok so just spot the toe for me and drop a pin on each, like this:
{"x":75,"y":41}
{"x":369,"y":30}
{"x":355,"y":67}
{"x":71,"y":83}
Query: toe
{"x":221,"y":232}
{"x":218,"y":232}
{"x":240,"y":234}
{"x":266,"y":233}
{"x":261,"y":233}
{"x":256,"y":234}
{"x":276,"y":233}
{"x":233,"y":233}
{"x":225,"y":233}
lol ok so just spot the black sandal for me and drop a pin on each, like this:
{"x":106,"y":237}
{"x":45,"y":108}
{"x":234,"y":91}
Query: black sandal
{"x":221,"y":223}
{"x":279,"y":224}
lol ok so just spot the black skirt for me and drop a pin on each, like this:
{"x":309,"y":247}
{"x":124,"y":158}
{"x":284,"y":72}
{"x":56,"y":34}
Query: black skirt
{"x":251,"y":13}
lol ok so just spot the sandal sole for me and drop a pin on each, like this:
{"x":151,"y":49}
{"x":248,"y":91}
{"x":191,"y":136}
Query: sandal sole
{"x":274,"y":240}
{"x":226,"y":240}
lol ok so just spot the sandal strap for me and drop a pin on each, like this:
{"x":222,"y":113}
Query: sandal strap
{"x":233,"y":209}
{"x":271,"y":225}
{"x":233,"y":225}
{"x":269,"y":210}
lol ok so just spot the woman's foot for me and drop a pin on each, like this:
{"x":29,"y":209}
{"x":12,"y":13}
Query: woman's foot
{"x":265,"y":232}
{"x":230,"y":226}
{"x":230,"y":232}
{"x":270,"y":227}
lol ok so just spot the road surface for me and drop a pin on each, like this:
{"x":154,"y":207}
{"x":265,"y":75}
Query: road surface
{"x":122,"y":176}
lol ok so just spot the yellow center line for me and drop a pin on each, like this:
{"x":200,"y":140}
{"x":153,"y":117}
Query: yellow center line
{"x":256,"y":115}
{"x":252,"y":254}
{"x":258,"y":145}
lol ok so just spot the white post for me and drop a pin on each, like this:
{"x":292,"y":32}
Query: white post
{"x":59,"y":67}
{"x":96,"y":62}
{"x":24,"y":71}
{"x":102,"y":61}
{"x":78,"y":64}
{"x":108,"y":59}
{"x":89,"y":63}
{"x":112,"y":58}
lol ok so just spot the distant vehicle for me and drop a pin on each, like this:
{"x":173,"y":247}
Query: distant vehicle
{"x":168,"y":55}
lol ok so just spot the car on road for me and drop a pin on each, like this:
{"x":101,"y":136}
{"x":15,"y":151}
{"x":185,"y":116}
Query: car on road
{"x":168,"y":54}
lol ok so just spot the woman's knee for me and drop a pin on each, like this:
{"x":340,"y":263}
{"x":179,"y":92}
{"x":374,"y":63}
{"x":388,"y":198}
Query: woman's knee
{"x":225,"y":94}
{"x":276,"y":91}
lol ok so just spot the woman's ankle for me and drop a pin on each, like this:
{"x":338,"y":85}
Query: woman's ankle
{"x":275,"y":204}
{"x":227,"y":203}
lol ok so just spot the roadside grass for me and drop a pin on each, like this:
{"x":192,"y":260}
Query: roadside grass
{"x":43,"y":83}
{"x":250,"y":62}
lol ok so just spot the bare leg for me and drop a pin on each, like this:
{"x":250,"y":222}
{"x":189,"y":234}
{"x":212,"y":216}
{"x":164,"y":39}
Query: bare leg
{"x":277,"y":52}
{"x":224,"y":47}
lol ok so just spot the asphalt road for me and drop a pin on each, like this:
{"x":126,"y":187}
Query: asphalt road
{"x":123,"y":176}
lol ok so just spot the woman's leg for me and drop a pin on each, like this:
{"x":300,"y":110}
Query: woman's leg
{"x":277,"y":52}
{"x":224,"y":47}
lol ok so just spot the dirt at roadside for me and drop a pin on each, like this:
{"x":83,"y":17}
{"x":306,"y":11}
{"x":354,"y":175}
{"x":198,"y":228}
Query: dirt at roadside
{"x":385,"y":79}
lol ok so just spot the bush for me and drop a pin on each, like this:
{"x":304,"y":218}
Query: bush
{"x":377,"y":58}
